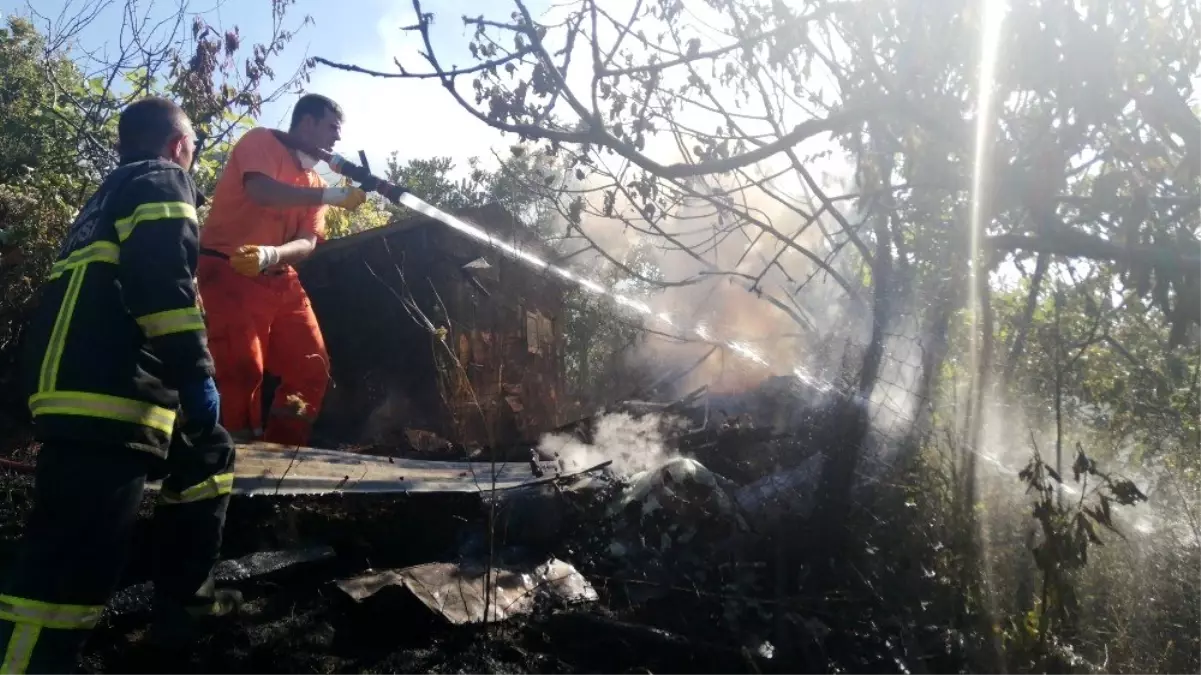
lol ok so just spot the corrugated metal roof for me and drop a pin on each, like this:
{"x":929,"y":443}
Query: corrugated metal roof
{"x":268,"y":469}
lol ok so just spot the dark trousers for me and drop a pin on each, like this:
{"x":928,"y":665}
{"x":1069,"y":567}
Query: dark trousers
{"x":86,"y":501}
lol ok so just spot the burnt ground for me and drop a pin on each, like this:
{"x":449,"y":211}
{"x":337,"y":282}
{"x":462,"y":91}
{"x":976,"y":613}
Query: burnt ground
{"x":697,"y":610}
{"x":295,"y":620}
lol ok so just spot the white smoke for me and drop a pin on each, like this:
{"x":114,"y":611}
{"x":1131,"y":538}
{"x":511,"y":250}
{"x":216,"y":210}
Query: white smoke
{"x":633,"y":444}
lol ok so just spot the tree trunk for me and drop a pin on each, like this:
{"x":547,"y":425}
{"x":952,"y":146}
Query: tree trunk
{"x":846,"y":432}
{"x":1023,"y":327}
{"x":932,"y":361}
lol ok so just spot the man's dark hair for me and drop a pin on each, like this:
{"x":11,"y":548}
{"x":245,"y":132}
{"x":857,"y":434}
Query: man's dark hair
{"x":315,"y":106}
{"x":146,"y":126}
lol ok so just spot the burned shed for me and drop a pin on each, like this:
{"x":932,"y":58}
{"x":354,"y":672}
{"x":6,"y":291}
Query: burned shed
{"x":429,"y":329}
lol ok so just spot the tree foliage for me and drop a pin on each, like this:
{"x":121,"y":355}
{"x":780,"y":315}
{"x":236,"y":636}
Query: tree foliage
{"x":41,"y":181}
{"x":58,"y":123}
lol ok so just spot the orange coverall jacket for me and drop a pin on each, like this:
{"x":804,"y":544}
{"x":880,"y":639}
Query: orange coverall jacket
{"x":263,"y":323}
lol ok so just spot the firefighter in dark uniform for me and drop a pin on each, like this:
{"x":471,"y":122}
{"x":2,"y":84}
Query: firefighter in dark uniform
{"x":118,"y":370}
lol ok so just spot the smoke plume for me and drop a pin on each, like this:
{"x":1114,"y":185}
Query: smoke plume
{"x":633,"y":444}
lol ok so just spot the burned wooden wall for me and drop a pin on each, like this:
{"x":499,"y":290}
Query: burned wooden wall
{"x":487,"y":369}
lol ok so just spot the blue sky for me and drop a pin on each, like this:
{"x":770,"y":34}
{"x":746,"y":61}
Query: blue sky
{"x":416,"y":118}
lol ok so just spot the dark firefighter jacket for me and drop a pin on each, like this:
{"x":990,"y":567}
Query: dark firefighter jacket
{"x":117,"y":330}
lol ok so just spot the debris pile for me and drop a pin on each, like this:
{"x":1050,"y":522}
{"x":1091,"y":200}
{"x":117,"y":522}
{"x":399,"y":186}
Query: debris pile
{"x":639,"y":537}
{"x":671,"y":519}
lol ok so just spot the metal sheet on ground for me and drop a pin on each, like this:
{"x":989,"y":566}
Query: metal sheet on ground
{"x":456,"y":591}
{"x":268,"y":469}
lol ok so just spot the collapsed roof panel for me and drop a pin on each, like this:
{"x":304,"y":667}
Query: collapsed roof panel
{"x":268,"y":469}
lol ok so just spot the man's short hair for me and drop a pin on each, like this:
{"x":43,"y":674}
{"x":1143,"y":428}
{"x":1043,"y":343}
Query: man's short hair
{"x":315,"y":106}
{"x":146,"y":126}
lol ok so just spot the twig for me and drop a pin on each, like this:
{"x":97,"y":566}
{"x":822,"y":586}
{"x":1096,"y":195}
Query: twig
{"x":287,"y":469}
{"x":404,"y":74}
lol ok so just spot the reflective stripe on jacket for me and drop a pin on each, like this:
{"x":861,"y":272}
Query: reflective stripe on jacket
{"x":118,"y":330}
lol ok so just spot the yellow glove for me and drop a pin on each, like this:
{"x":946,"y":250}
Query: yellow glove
{"x":349,"y":197}
{"x":251,"y":260}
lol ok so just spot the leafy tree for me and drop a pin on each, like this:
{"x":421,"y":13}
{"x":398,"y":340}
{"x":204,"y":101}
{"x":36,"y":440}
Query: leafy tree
{"x":58,"y":127}
{"x":431,"y":178}
{"x":525,"y":184}
{"x":37,"y":148}
{"x":41,"y":179}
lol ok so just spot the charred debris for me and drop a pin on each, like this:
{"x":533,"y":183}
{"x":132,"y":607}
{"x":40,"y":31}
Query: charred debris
{"x":669,"y":532}
{"x":695,"y":559}
{"x":675,"y":567}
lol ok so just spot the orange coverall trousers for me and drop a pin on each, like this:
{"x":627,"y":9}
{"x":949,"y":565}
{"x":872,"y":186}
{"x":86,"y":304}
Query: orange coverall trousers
{"x":257,"y":324}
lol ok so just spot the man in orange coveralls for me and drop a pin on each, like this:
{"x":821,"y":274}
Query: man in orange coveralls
{"x":268,"y":212}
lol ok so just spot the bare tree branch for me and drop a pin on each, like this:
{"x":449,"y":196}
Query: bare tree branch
{"x":406,"y":75}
